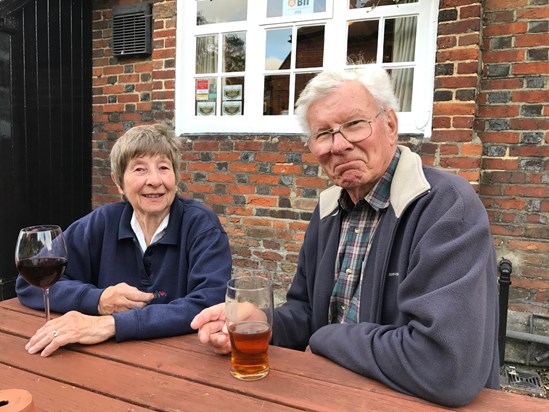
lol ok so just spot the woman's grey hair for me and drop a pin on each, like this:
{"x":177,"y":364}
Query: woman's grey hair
{"x":140,"y":141}
{"x":374,"y":78}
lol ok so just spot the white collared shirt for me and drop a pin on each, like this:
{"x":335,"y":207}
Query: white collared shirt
{"x":141,"y":236}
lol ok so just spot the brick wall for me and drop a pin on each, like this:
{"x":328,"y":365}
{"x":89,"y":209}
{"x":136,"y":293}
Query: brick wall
{"x":513,"y":125}
{"x":488,"y":126}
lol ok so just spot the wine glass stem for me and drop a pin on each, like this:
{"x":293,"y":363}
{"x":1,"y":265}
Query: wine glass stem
{"x":47,"y":303}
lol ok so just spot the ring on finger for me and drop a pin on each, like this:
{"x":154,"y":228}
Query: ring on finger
{"x":54,"y":333}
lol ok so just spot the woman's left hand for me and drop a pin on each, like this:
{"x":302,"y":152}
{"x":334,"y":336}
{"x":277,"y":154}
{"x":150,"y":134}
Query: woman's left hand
{"x":72,"y":327}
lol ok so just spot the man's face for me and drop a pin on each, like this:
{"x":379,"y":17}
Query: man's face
{"x":355,"y":167}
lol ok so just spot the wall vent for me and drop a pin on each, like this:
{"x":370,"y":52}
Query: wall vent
{"x":131,"y":29}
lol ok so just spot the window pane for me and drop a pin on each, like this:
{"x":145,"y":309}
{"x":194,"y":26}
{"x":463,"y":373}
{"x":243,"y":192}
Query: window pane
{"x":359,"y":4}
{"x":234,"y":52}
{"x":233,"y":96}
{"x":403,"y":82}
{"x":278,"y":8}
{"x":301,"y":81}
{"x":220,"y":11}
{"x":278,"y":50}
{"x":362,"y":40}
{"x":205,"y":96}
{"x":276,"y":94}
{"x":310,"y":47}
{"x":400,"y":40}
{"x":206,"y":54}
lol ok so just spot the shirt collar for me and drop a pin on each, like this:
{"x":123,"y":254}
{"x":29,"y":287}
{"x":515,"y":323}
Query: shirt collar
{"x":141,"y":236}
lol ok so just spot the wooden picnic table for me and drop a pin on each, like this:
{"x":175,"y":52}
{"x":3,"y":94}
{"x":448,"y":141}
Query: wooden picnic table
{"x":180,"y":374}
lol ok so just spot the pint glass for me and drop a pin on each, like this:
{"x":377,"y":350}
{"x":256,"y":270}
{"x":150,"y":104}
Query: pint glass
{"x":249,"y":313}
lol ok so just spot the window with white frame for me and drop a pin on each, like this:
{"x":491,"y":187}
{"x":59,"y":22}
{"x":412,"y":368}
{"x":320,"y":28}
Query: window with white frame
{"x":241,"y":64}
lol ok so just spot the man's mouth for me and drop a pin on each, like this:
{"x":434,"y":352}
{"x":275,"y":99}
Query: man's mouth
{"x":154,"y":195}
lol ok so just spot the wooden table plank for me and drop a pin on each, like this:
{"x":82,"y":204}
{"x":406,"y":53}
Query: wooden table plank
{"x":126,"y":382}
{"x":51,"y":396}
{"x":202,"y":366}
{"x":300,"y":380}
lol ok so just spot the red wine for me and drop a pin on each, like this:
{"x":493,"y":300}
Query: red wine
{"x":42,"y":272}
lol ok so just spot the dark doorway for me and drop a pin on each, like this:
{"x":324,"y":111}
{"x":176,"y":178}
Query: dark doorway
{"x":45,"y":119}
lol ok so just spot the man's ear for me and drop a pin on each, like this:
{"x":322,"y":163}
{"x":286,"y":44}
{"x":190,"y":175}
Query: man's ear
{"x":120,"y":189}
{"x":392,"y":124}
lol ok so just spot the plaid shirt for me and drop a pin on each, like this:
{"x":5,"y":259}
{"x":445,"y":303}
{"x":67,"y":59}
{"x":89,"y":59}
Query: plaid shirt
{"x":357,"y":228}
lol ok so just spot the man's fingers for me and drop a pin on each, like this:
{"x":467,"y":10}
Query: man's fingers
{"x":211,"y":314}
{"x":209,"y":329}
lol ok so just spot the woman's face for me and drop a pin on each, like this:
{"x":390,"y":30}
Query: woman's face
{"x":150,"y":186}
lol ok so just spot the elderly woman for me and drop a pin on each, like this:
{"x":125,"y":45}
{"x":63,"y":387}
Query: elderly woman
{"x":141,"y":268}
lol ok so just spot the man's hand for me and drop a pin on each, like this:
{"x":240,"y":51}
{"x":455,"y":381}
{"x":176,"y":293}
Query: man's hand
{"x":212,"y":323}
{"x":212,"y":328}
{"x":122,"y":297}
{"x":72,"y":327}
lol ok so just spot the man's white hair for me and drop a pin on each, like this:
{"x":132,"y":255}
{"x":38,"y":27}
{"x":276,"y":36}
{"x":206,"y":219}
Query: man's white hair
{"x":374,"y":78}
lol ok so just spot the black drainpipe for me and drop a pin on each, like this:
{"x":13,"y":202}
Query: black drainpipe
{"x":505,"y":269}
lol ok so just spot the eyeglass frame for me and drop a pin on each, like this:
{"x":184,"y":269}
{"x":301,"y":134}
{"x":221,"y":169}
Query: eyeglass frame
{"x":335,"y":130}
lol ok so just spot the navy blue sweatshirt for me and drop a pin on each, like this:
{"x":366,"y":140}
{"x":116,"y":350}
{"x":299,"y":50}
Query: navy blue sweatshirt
{"x":187,"y":268}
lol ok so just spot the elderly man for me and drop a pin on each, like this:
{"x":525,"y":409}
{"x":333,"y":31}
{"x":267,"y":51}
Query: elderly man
{"x":396,"y":278}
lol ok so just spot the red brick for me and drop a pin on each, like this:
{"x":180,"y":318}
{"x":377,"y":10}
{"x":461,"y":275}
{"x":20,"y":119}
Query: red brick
{"x":452,"y":135}
{"x":199,"y":188}
{"x":506,"y":29}
{"x":499,"y":137}
{"x":530,"y":68}
{"x":463,"y":122}
{"x":500,"y":164}
{"x":458,"y":54}
{"x":532,"y":40}
{"x":220,"y":178}
{"x":241,"y":189}
{"x":262,"y":201}
{"x":527,"y":191}
{"x":488,"y":112}
{"x":287,"y":168}
{"x":531,"y":96}
{"x":533,"y":13}
{"x":501,"y":56}
{"x":456,"y":82}
{"x":457,"y":162}
{"x":242,"y":167}
{"x":204,"y":167}
{"x":264,"y":179}
{"x":449,"y":149}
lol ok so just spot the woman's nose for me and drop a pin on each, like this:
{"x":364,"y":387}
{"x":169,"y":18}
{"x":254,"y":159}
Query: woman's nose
{"x":153,"y":178}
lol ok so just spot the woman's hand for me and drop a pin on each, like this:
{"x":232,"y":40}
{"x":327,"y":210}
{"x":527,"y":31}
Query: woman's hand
{"x":122,"y":297}
{"x":72,"y":327}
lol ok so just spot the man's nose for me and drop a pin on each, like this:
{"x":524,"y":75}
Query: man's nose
{"x":339,"y":143}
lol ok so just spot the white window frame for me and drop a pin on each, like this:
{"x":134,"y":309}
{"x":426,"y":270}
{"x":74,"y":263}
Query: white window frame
{"x":418,"y":121}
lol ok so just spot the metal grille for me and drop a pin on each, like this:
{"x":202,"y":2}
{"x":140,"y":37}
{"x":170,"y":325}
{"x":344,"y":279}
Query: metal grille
{"x":522,"y":381}
{"x":131,"y":29}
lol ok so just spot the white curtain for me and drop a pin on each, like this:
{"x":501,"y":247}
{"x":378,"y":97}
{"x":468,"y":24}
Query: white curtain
{"x":206,"y":54}
{"x":403,"y":51}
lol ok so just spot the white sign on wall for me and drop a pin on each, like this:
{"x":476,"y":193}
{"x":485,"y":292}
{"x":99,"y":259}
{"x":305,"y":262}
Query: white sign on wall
{"x":292,"y":7}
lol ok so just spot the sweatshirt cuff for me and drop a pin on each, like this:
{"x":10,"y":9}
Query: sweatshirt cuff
{"x":124,"y":328}
{"x":90,"y":301}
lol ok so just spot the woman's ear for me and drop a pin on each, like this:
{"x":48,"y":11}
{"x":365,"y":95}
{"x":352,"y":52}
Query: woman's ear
{"x":120,"y":189}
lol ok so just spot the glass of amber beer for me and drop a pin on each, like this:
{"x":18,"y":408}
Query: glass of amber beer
{"x":249,"y":314}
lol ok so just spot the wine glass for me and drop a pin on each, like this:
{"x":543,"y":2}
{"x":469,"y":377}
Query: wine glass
{"x":41,"y":257}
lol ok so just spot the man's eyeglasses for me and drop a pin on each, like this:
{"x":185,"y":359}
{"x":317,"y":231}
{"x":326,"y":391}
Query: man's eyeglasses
{"x":353,"y":131}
